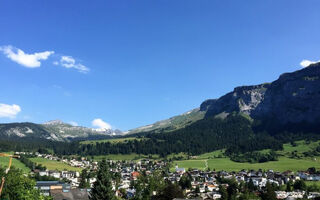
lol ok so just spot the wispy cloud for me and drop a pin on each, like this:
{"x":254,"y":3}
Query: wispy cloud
{"x":9,"y":111}
{"x":306,"y":63}
{"x":70,"y":62}
{"x":100,"y":124}
{"x":24,"y":59}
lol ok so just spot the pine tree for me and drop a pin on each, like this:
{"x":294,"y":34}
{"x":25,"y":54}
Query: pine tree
{"x":102,"y":188}
{"x":251,"y":186}
{"x":18,"y":186}
{"x":299,"y":185}
{"x":289,"y":186}
{"x":269,"y":194}
{"x":84,"y":179}
{"x":223,"y":192}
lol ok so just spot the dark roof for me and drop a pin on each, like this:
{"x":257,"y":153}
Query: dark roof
{"x":73,"y":194}
{"x":48,"y":183}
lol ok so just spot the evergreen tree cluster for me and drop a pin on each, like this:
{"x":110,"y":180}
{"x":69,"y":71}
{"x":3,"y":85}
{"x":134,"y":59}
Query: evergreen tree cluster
{"x":18,"y":186}
{"x":236,"y":133}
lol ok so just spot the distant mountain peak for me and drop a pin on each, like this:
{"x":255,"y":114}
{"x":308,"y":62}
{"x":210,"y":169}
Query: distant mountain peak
{"x":54,"y":122}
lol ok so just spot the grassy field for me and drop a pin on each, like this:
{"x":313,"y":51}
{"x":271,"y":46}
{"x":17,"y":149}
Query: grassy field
{"x":54,"y":165}
{"x":216,"y":160}
{"x":281,"y":165}
{"x":116,"y":140}
{"x":310,"y":183}
{"x":211,"y":155}
{"x":226,"y":164}
{"x":173,"y":156}
{"x":300,"y":148}
{"x":4,"y":161}
{"x":198,"y":164}
{"x":132,"y":156}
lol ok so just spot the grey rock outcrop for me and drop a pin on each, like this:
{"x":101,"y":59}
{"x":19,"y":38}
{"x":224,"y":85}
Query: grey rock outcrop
{"x":293,"y":98}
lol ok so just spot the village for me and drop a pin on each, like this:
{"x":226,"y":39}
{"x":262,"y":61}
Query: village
{"x":204,"y":184}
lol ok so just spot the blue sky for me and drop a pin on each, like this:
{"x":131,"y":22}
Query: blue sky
{"x":131,"y":63}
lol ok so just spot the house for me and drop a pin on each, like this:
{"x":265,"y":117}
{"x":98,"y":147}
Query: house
{"x":281,"y":194}
{"x":180,"y":170}
{"x":70,"y":194}
{"x":131,"y":193}
{"x":313,"y":195}
{"x":45,"y":187}
{"x":135,"y":175}
{"x":54,"y":174}
{"x":44,"y":173}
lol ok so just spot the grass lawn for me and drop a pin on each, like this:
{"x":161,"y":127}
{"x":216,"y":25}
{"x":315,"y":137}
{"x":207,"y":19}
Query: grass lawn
{"x":317,"y":183}
{"x":54,"y":165}
{"x":177,"y":155}
{"x":300,"y":148}
{"x":281,"y":165}
{"x":116,"y":140}
{"x":226,"y":164}
{"x":132,"y":156}
{"x":4,"y":161}
{"x":212,"y":155}
{"x":198,"y":164}
{"x":284,"y":163}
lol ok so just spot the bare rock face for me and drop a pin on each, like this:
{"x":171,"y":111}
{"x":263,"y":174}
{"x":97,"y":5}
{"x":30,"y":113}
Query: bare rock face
{"x":293,"y":98}
{"x":243,"y":99}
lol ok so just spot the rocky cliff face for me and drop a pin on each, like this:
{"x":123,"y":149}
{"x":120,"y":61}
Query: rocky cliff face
{"x":243,"y":99}
{"x":293,"y":98}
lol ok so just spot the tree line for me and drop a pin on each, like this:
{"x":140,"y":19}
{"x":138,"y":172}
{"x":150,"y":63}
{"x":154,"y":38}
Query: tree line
{"x":235,"y":133}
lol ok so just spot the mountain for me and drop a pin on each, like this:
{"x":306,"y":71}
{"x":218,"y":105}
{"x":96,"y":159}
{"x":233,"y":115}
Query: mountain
{"x":69,"y":131}
{"x":172,"y":123}
{"x":246,"y":120}
{"x":292,"y":102}
{"x":55,"y":130}
{"x":27,"y":130}
{"x":250,"y":118}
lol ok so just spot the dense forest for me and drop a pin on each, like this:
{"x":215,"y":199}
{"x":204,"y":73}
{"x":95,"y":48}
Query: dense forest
{"x":235,"y":133}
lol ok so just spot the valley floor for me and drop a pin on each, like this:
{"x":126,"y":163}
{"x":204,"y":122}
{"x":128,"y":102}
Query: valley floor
{"x":218,"y":164}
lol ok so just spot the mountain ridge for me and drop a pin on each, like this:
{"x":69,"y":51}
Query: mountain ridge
{"x":261,"y":102}
{"x":55,"y":130}
{"x":292,"y":98}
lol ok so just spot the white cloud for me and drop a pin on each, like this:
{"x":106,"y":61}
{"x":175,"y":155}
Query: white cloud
{"x":100,"y":124}
{"x":73,"y":123}
{"x":306,"y":63}
{"x":70,"y":62}
{"x":24,"y":59}
{"x":9,"y":111}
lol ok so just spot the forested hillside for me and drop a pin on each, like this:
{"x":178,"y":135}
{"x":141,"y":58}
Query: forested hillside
{"x":250,"y":118}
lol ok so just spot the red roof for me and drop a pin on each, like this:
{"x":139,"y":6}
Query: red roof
{"x":135,"y":174}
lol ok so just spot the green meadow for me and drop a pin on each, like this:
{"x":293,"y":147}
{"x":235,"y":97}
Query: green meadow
{"x":193,"y":164}
{"x":226,"y":164}
{"x":216,"y":160}
{"x":4,"y":161}
{"x":301,"y":147}
{"x":54,"y":165}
